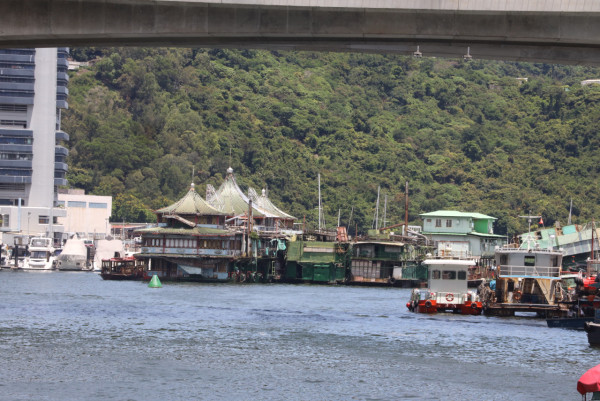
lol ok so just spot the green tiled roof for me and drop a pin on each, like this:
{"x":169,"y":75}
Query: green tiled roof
{"x":454,"y":213}
{"x":191,"y":203}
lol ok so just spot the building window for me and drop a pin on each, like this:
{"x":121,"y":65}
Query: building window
{"x":429,"y":220}
{"x":529,"y":260}
{"x":96,"y":205}
{"x":44,"y":220}
{"x":13,"y":107}
{"x":60,"y":203}
{"x":15,"y":172}
{"x":16,"y":156}
{"x":4,"y":220}
{"x":438,"y":222}
{"x":13,"y":123}
{"x":15,"y":141}
{"x":76,"y":204}
{"x":448,"y":223}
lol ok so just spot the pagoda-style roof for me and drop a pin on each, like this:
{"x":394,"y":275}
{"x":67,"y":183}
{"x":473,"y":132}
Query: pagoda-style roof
{"x":191,"y":204}
{"x":265,"y":203}
{"x":235,"y":202}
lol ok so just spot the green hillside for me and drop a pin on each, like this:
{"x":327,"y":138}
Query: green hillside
{"x":468,"y":136}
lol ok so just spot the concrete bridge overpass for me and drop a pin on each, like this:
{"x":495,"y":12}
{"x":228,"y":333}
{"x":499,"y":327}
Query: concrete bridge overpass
{"x":552,"y":31}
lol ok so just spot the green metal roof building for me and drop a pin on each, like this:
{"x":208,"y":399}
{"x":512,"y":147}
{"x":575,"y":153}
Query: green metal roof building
{"x":469,"y":234}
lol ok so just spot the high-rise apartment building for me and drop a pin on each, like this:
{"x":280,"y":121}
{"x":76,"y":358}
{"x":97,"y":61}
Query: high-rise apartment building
{"x":33,"y":91}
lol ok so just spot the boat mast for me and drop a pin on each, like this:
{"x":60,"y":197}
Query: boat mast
{"x":376,"y":219}
{"x":570,"y":210}
{"x":350,"y":219}
{"x":406,"y":209}
{"x":319,"y":181}
{"x":593,"y":229}
{"x":384,"y":221}
{"x":321,"y":218}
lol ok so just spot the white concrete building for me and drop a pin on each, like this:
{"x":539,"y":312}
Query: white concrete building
{"x":33,"y":90}
{"x":86,"y":215}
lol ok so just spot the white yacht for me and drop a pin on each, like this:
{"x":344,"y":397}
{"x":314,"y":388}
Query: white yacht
{"x":41,"y":254}
{"x":74,"y":255}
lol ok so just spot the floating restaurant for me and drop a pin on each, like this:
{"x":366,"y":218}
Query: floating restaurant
{"x":217,"y":239}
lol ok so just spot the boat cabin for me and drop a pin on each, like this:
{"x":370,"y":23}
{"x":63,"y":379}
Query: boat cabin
{"x":448,"y":275}
{"x":523,"y":263}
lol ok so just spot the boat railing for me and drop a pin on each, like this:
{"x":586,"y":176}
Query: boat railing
{"x":453,"y":254}
{"x":528,"y":271}
{"x":449,"y":297}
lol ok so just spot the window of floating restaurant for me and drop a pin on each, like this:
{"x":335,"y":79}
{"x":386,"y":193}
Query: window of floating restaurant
{"x":448,"y":223}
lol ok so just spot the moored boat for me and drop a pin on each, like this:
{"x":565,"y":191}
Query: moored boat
{"x":41,"y":255}
{"x":575,"y":323}
{"x":447,"y":289}
{"x":75,"y":256}
{"x":528,"y":280}
{"x":127,"y":268}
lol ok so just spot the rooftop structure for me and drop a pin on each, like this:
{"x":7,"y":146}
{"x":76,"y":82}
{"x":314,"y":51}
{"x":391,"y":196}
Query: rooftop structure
{"x":467,"y":234}
{"x":231,"y":200}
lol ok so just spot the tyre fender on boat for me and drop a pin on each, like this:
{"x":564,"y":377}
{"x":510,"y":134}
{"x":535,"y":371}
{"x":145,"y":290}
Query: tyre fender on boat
{"x":474,"y":305}
{"x":517,"y":295}
{"x":428,"y":304}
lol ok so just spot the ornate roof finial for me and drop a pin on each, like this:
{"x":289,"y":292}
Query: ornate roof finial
{"x":192,"y":187}
{"x":229,"y":170}
{"x":263,"y":192}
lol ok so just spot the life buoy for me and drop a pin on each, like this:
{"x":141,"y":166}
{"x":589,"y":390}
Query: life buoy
{"x":449,"y":297}
{"x":428,"y":304}
{"x":517,"y":295}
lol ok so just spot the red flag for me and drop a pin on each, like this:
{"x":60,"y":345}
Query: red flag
{"x":541,"y":221}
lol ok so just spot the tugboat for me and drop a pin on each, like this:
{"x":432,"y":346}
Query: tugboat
{"x":447,"y":289}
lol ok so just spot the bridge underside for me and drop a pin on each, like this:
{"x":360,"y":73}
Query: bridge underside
{"x":450,"y":29}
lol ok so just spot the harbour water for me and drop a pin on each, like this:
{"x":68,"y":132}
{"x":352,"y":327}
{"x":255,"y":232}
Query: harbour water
{"x":73,"y":336}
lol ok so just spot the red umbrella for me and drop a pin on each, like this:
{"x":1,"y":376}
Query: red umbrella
{"x":589,"y":382}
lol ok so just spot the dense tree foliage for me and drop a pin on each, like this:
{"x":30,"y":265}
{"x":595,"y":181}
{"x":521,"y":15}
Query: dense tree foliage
{"x":470,"y":136}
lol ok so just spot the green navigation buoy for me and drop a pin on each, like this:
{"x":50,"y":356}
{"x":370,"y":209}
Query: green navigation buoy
{"x":155,"y":282}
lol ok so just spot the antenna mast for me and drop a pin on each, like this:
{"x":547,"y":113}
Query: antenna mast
{"x":529,"y":238}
